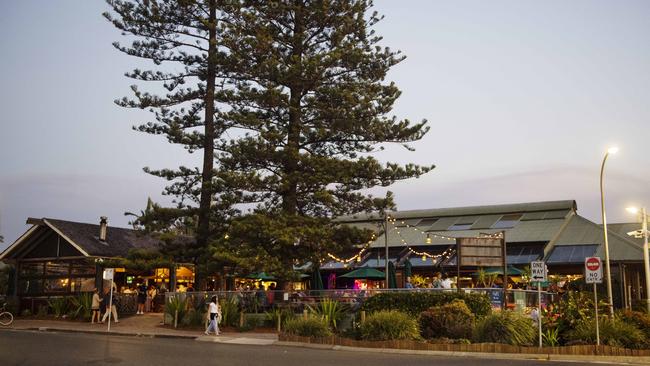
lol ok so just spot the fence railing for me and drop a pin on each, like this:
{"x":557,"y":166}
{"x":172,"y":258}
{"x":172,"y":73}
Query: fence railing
{"x":260,"y":301}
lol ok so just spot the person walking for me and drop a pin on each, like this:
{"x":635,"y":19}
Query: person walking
{"x":95,"y":306}
{"x":111,"y":309}
{"x":215,"y":315}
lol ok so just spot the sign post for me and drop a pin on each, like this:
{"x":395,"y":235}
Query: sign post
{"x":109,"y":274}
{"x":594,"y":274}
{"x":538,"y":274}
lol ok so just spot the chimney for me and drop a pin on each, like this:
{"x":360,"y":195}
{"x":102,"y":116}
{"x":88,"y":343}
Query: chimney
{"x":103,"y":226}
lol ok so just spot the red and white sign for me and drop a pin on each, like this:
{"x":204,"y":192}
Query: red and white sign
{"x":593,"y":270}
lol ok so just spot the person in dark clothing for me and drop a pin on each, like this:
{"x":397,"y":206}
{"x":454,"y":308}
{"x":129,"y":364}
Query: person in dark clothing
{"x":142,"y":298}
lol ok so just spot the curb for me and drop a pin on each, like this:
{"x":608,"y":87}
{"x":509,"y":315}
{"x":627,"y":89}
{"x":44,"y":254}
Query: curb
{"x":477,"y":355}
{"x":143,"y":335}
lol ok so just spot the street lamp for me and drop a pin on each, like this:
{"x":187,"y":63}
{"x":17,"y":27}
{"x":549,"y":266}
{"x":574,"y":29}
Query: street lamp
{"x":646,"y":260}
{"x":611,"y":150}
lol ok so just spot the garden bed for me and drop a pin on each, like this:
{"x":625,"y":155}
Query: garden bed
{"x":583,"y":350}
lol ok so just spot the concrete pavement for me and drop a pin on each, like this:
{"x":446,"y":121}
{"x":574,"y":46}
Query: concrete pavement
{"x":150,"y":326}
{"x":50,"y":348}
{"x":147,"y":325}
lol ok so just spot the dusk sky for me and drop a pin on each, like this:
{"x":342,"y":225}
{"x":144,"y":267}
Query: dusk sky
{"x":523,"y":98}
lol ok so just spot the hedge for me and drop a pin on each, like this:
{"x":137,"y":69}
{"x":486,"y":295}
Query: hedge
{"x":414,"y":302}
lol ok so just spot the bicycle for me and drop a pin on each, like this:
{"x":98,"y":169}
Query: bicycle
{"x":6,"y":318}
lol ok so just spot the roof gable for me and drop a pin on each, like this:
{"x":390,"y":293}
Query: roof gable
{"x":80,"y":237}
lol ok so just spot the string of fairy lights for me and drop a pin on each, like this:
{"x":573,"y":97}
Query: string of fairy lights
{"x":357,"y":257}
{"x":428,"y":240}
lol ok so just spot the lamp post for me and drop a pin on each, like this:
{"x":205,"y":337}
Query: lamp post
{"x":610,"y":304}
{"x":646,"y":260}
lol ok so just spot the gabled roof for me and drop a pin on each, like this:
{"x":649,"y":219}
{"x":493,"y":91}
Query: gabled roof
{"x":552,"y":224}
{"x":84,"y":237}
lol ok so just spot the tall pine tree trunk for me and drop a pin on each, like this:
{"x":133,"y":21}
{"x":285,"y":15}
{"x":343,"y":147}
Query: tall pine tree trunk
{"x":290,"y":197}
{"x":203,"y":230}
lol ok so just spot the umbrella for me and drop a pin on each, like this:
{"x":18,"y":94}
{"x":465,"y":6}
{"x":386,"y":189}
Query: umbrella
{"x":365,"y":273}
{"x":392,"y":280}
{"x":408,"y":267}
{"x":261,"y":276}
{"x":316,"y":280}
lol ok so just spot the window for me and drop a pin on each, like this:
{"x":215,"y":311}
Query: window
{"x":571,"y":253}
{"x":82,"y":284}
{"x":30,"y":286}
{"x":507,"y":221}
{"x":57,"y":269}
{"x":81,"y":268}
{"x":464,"y":223}
{"x":31,"y":269}
{"x":56,"y":285}
{"x":427,"y":222}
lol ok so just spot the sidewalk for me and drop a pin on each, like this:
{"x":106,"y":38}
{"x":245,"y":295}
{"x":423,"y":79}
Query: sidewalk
{"x":147,"y":325}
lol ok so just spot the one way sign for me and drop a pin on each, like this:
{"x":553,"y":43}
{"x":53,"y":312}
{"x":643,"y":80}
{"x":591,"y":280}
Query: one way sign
{"x":538,"y":271}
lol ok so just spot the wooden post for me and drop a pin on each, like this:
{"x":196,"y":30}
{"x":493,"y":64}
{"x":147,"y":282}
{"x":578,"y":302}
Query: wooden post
{"x":304,"y":314}
{"x":175,"y":318}
{"x":241,"y":319}
{"x":279,"y":323}
{"x":363,"y":316}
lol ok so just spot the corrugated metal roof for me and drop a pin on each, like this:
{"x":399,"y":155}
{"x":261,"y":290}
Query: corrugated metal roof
{"x":539,"y":230}
{"x":486,"y":222}
{"x":470,"y":210}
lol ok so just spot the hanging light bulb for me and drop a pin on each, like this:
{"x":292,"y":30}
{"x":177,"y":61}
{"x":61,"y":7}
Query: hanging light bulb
{"x":424,"y":258}
{"x":428,"y":238}
{"x":226,"y":236}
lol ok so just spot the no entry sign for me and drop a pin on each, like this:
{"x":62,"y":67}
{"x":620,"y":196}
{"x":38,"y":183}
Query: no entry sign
{"x":593,"y":270}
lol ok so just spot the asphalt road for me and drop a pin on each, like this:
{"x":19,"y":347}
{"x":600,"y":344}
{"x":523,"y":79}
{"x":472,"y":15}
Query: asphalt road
{"x":45,"y":348}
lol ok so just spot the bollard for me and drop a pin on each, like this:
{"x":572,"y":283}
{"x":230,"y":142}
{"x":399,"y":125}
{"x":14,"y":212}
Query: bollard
{"x":241,"y":319}
{"x":363,"y":316}
{"x":304,"y":314}
{"x":279,"y":322}
{"x":176,"y":319}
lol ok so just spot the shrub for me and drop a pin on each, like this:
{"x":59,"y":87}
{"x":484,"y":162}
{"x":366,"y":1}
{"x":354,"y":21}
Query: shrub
{"x":453,"y":320}
{"x":229,"y":311}
{"x":195,"y":314}
{"x":309,"y":327}
{"x":638,"y":319}
{"x":506,"y":327}
{"x":81,"y":306}
{"x":415,"y":302}
{"x":42,"y":310}
{"x":613,"y":332}
{"x":575,"y":307}
{"x":284,"y":313}
{"x":330,"y":310}
{"x":175,"y":305}
{"x":59,"y":306}
{"x":389,"y":325}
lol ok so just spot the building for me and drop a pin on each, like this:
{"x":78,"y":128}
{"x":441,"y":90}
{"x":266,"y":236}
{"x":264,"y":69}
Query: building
{"x":57,"y":257}
{"x":550,"y":231}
